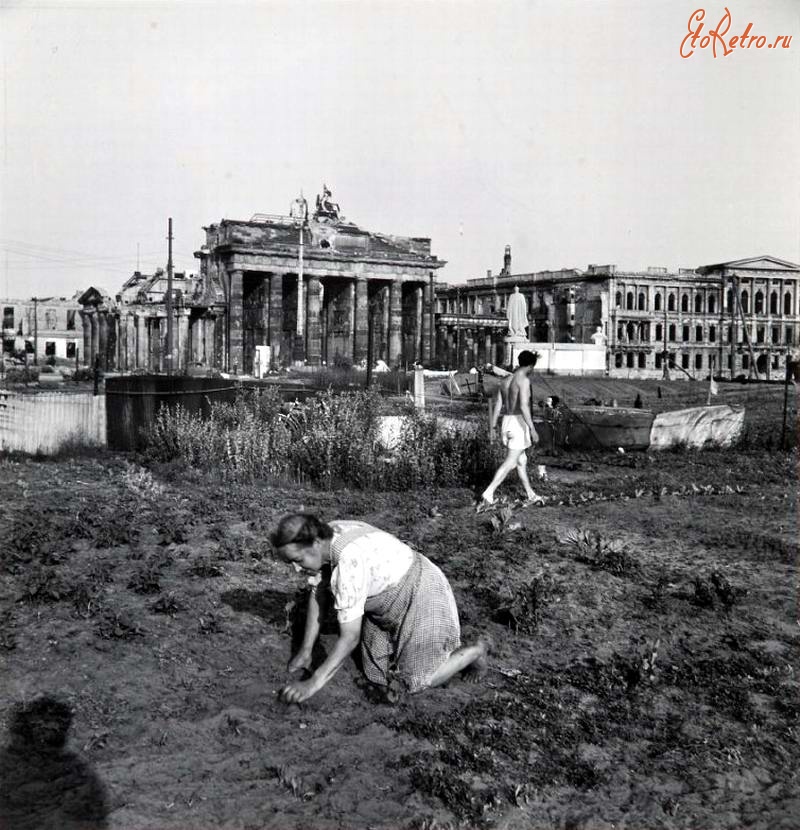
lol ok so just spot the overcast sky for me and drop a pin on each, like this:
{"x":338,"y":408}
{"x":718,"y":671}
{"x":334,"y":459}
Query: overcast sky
{"x":571,"y":130}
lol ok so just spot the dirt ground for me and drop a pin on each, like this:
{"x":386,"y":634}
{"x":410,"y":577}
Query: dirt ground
{"x":644,"y":675}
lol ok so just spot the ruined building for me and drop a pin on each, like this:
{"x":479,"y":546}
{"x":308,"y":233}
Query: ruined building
{"x":357,"y":287}
{"x":732,"y":318}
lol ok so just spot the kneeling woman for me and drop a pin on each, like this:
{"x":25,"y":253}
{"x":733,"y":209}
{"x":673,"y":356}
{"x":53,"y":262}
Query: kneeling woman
{"x":391,"y":599}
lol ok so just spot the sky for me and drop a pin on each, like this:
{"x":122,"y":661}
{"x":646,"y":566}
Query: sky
{"x":572,"y":130}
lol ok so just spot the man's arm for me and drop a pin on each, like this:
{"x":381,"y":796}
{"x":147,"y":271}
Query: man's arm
{"x":525,"y":406}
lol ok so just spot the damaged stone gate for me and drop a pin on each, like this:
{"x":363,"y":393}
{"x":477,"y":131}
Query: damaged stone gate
{"x":357,"y":288}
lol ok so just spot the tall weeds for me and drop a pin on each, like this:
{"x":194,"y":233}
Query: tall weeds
{"x":330,"y":440}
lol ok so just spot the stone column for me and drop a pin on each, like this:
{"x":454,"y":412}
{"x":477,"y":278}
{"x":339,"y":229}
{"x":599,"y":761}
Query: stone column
{"x":86,"y":319}
{"x":130,"y":345}
{"x":122,"y":341}
{"x":361,"y":322}
{"x":313,"y":331}
{"x":183,"y":348}
{"x":418,"y":337}
{"x":141,"y":341}
{"x":235,"y":311}
{"x":487,"y":346}
{"x":101,"y":338}
{"x":395,"y":322}
{"x":209,"y":350}
{"x":385,"y":303}
{"x":275,"y":336}
{"x":95,"y":350}
{"x":427,"y":322}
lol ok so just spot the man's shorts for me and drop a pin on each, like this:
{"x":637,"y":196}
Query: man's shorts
{"x":516,"y":435}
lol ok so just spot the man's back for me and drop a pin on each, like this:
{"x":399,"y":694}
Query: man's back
{"x":512,"y":391}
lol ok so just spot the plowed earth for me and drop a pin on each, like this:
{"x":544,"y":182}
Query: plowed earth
{"x":644,"y":675}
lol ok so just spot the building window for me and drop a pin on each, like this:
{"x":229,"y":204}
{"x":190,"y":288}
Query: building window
{"x":712,"y":334}
{"x":671,"y":360}
{"x":776,"y":362}
{"x":629,"y":357}
{"x":685,"y":361}
{"x":685,"y":302}
{"x":788,"y":337}
{"x":787,"y":303}
{"x":759,"y":303}
{"x":618,"y":360}
{"x":712,"y":304}
{"x":629,"y":301}
{"x":698,"y":361}
{"x":773,"y":303}
{"x":760,"y":334}
{"x":659,"y":360}
{"x":730,"y":300}
{"x":641,"y":301}
{"x":776,"y":334}
{"x":657,"y":302}
{"x":631,"y":332}
{"x":745,"y":361}
{"x":685,"y":334}
{"x":745,"y":301}
{"x":672,"y":332}
{"x":671,"y":302}
{"x":71,"y":350}
{"x":50,"y":348}
{"x":618,"y":299}
{"x":8,"y":317}
{"x":698,"y":303}
{"x":51,"y":319}
{"x":728,"y":334}
{"x":620,"y":332}
{"x":71,"y":320}
{"x":659,"y":332}
{"x":642,"y":360}
{"x":698,"y":334}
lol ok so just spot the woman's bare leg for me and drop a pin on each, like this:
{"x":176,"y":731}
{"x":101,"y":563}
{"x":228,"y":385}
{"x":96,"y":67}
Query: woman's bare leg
{"x":466,"y":657}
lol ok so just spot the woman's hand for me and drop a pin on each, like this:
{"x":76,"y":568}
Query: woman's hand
{"x":298,"y":691}
{"x":301,"y":660}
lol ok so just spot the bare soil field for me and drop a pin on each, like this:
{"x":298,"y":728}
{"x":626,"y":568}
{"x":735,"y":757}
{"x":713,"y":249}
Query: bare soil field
{"x":644,"y":674}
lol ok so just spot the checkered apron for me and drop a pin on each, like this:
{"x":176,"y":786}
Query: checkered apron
{"x":410,"y":628}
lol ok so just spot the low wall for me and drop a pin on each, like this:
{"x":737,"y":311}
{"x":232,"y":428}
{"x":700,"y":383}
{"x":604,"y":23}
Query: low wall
{"x":42,"y":423}
{"x":564,"y":358}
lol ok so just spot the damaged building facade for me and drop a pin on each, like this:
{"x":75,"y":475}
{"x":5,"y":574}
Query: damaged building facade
{"x":48,"y":327}
{"x":732,"y":318}
{"x":312,"y":288}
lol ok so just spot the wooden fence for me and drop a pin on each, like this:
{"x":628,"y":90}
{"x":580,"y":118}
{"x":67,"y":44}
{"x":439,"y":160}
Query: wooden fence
{"x":46,"y":422}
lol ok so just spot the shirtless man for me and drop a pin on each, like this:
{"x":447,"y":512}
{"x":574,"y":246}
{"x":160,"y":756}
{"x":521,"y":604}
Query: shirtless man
{"x":518,"y":433}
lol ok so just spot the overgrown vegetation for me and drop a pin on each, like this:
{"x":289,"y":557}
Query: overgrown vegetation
{"x":329,"y":440}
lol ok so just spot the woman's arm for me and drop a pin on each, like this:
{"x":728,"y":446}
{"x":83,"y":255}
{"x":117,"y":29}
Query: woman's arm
{"x":317,"y":603}
{"x":349,"y":637}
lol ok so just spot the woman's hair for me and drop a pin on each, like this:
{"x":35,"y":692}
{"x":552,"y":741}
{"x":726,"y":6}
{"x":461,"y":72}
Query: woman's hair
{"x":299,"y":529}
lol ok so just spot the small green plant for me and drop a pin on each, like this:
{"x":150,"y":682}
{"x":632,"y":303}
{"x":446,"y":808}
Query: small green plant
{"x":598,"y":552}
{"x":44,"y":585}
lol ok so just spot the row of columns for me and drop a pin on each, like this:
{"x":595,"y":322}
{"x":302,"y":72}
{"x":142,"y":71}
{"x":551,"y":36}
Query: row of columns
{"x":129,"y":340}
{"x":353,"y":298}
{"x":463,"y":346}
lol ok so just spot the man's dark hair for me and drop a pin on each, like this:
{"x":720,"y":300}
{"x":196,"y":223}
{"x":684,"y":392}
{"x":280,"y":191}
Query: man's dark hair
{"x":528,"y":358}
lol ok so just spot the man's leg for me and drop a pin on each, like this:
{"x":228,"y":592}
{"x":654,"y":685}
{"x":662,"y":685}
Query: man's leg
{"x":522,"y":472}
{"x":500,"y":476}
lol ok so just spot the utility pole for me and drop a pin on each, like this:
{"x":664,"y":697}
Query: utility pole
{"x":35,"y":331}
{"x":168,"y":302}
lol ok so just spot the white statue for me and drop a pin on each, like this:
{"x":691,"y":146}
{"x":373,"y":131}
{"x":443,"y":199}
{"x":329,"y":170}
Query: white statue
{"x":598,"y":337}
{"x":517,"y":314}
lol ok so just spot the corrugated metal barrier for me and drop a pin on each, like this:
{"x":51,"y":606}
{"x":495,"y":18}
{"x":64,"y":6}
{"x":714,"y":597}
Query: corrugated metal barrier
{"x":132,"y":402}
{"x":44,"y":423}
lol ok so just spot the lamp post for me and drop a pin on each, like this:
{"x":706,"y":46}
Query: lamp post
{"x":299,"y":213}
